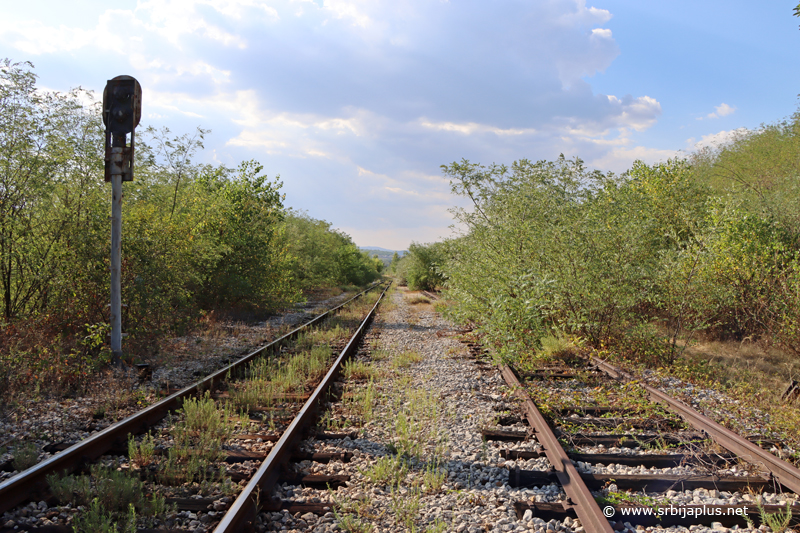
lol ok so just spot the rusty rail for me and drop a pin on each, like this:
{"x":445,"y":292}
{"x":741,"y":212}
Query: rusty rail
{"x":579,"y":497}
{"x":33,"y":480}
{"x":244,"y":509}
{"x":786,"y":474}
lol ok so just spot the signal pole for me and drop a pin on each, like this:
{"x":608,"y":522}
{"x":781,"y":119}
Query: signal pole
{"x":122,"y":109}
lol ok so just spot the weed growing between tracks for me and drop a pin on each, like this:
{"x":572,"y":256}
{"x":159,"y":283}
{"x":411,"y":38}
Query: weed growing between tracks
{"x":114,"y":499}
{"x":358,"y":370}
{"x":182,"y":458}
{"x":405,"y":359}
{"x":590,"y":389}
{"x":413,"y":466}
{"x":142,"y":454}
{"x":777,"y":522}
{"x":359,"y":402}
{"x":389,"y":470}
{"x":271,"y":379}
{"x":25,"y":456}
{"x":416,"y":299}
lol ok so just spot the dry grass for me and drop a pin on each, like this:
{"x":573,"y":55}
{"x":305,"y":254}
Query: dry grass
{"x":735,"y":357}
{"x":755,"y":375}
{"x":415,"y":298}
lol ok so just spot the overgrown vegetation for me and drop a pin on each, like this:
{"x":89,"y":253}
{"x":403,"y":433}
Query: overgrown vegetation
{"x":421,"y":267}
{"x":113,"y":499}
{"x":640,"y":263}
{"x":197,"y":238}
{"x":654,"y":266}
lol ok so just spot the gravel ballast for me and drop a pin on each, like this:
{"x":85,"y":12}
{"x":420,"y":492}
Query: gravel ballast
{"x":475,"y":495}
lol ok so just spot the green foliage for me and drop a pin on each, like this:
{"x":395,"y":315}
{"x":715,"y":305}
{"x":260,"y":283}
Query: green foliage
{"x":760,"y":169}
{"x":351,"y":523}
{"x":254,"y":260}
{"x":778,"y":522}
{"x":25,"y":456}
{"x":405,"y":359}
{"x":112,"y":498}
{"x":638,"y":262}
{"x":324,"y":257}
{"x":406,"y":507}
{"x":69,"y":489}
{"x":393,"y":264}
{"x":558,"y":346}
{"x":143,"y":453}
{"x":553,"y":247}
{"x":617,"y":498}
{"x":420,"y":268}
{"x":388,"y":470}
{"x":197,"y":237}
{"x":96,"y":518}
{"x":752,"y":239}
{"x":549,"y":245}
{"x":433,"y":478}
{"x":203,"y":415}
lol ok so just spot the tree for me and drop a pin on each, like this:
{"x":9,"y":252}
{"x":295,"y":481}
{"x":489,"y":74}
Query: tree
{"x":252,"y":267}
{"x":42,"y":135}
{"x":393,"y":264}
{"x":423,"y":266}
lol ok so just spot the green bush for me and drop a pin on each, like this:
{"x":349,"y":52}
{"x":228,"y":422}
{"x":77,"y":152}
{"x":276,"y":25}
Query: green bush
{"x":420,"y":268}
{"x":640,"y":261}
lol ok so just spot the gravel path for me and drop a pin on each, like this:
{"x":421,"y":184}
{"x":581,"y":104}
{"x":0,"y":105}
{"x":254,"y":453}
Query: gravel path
{"x":447,"y":400}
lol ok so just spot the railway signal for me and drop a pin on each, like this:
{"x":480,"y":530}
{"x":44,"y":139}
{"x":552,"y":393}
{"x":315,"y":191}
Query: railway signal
{"x":122,"y":109}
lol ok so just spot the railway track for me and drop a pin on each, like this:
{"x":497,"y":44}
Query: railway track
{"x":423,"y":437}
{"x":638,"y":499}
{"x":295,"y":409}
{"x":644,"y":489}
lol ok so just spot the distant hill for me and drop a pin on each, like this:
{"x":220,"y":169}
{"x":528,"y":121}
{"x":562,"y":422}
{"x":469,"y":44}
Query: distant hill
{"x":384,"y":254}
{"x":378,"y":248}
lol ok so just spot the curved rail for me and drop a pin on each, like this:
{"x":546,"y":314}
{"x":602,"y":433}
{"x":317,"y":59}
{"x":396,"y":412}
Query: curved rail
{"x":20,"y":487}
{"x":245,"y":508}
{"x":785,"y":473}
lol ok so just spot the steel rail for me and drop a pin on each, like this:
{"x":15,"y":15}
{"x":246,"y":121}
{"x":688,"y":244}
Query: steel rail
{"x":19,"y":488}
{"x":244,"y":509}
{"x":579,"y":497}
{"x":786,"y":474}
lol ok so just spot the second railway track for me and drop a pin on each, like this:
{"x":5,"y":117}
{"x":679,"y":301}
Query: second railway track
{"x":193,"y":445}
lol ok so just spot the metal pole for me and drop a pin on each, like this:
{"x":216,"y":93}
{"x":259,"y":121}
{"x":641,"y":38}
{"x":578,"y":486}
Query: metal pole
{"x":117,"y":143}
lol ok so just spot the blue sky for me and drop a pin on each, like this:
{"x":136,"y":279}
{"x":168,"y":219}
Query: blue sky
{"x":356,"y":104}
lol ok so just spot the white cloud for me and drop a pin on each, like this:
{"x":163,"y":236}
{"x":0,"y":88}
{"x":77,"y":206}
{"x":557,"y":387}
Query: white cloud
{"x":368,"y":96}
{"x":34,"y":38}
{"x":621,"y":159}
{"x":117,"y":29}
{"x":579,"y":15}
{"x":716,"y":140}
{"x":601,"y":33}
{"x":473,"y":127}
{"x":722,"y":110}
{"x":344,"y":9}
{"x":236,"y":8}
{"x":173,"y":19}
{"x":636,"y":113}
